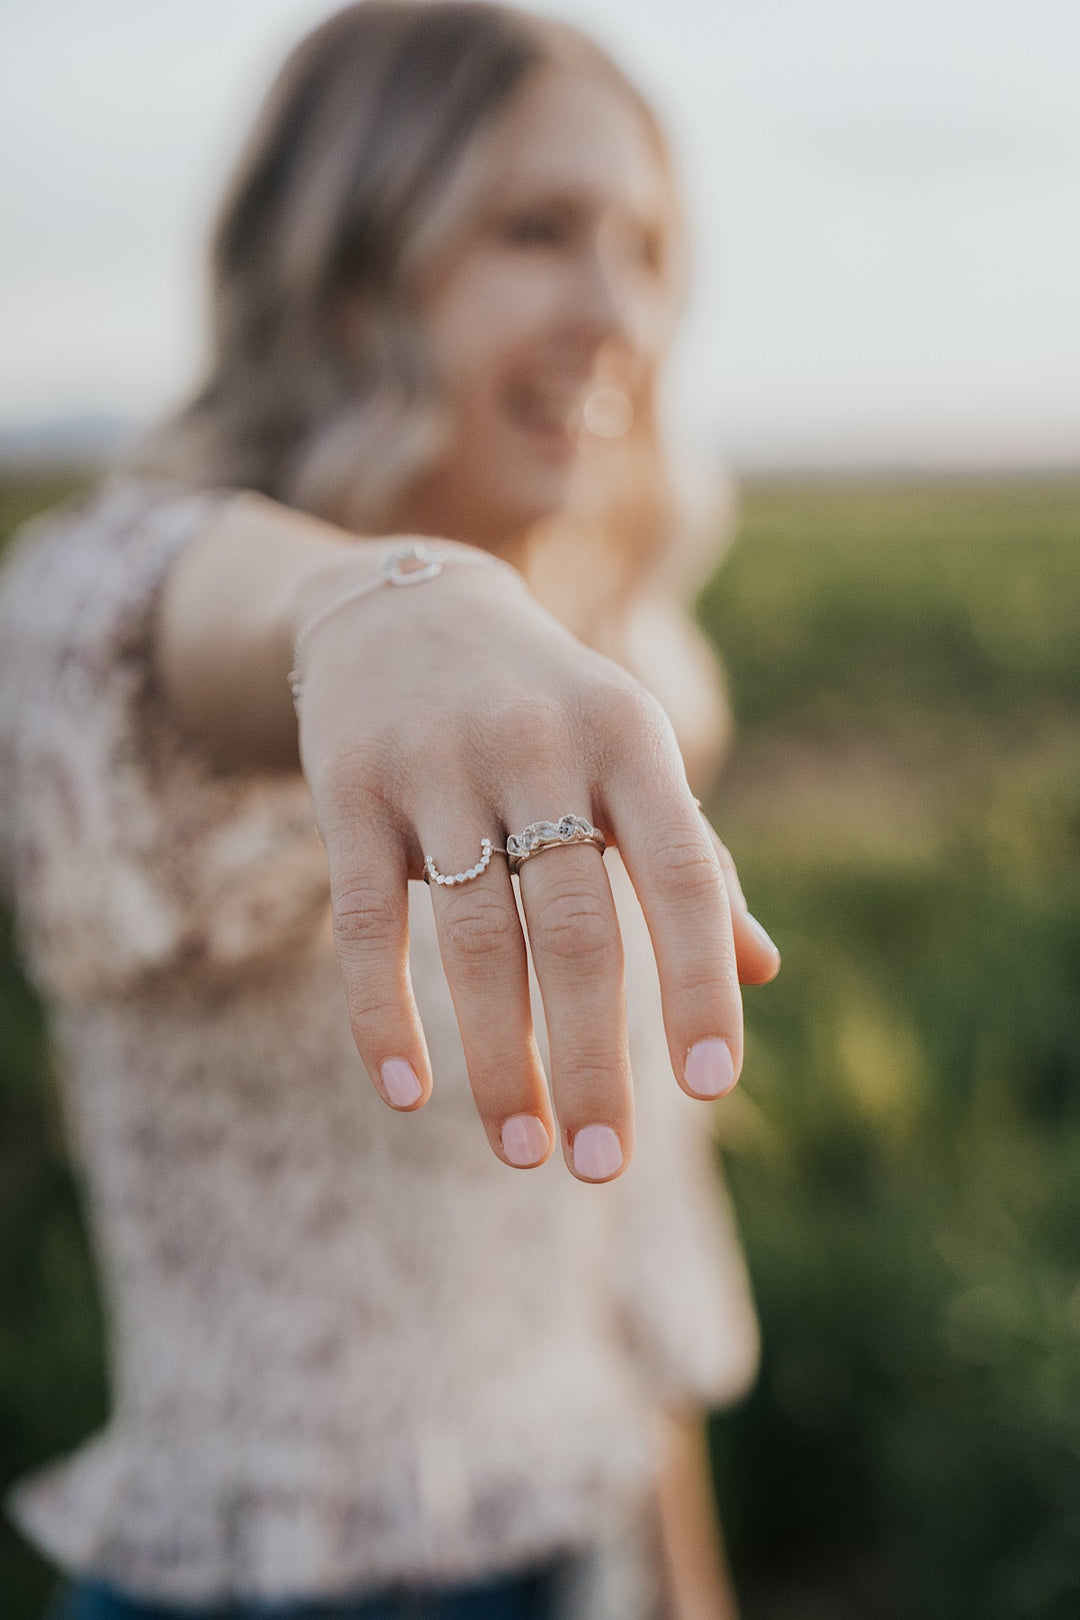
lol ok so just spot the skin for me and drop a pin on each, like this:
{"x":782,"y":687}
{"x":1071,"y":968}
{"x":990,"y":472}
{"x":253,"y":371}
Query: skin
{"x":696,"y":1582}
{"x":558,"y":283}
{"x":555,"y":283}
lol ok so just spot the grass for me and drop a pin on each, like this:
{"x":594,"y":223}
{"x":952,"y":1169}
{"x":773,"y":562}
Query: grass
{"x":904,"y":802}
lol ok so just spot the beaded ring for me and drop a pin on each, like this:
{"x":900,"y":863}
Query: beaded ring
{"x":433,"y":875}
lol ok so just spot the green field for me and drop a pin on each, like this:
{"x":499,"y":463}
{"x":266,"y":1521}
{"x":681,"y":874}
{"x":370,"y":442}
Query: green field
{"x":903,"y":800}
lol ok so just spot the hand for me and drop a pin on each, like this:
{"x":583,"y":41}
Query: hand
{"x":458,"y":709}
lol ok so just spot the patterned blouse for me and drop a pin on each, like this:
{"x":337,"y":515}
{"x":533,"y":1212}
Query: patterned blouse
{"x":348,"y":1347}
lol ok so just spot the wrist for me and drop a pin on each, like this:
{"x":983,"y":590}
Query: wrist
{"x":318,"y":580}
{"x":386,"y":565}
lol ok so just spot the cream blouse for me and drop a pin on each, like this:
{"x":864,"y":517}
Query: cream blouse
{"x":347,"y":1346}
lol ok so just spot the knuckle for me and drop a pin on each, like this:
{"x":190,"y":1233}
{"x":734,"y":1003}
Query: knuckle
{"x":627,"y":720}
{"x":477,"y":928}
{"x":353,"y":790}
{"x":709,"y":976}
{"x":687,"y":869}
{"x":575,"y":928}
{"x":371,"y":1006}
{"x":365,"y":915}
{"x":595,"y":1073}
{"x":617,"y":704}
{"x":346,"y":775}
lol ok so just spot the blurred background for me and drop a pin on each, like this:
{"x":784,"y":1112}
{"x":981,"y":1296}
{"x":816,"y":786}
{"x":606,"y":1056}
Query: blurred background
{"x":882,"y":350}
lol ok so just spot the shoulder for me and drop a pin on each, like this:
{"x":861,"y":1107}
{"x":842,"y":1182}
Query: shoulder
{"x":96,"y":519}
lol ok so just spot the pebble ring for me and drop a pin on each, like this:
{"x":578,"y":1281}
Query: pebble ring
{"x":539,"y":835}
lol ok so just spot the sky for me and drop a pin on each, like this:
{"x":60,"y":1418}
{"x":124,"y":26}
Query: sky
{"x":885,"y":200}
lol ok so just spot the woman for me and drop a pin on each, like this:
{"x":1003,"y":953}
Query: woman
{"x":357,"y":1356}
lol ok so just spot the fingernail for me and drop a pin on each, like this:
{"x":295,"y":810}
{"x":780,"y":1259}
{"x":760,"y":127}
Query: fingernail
{"x":761,"y":935}
{"x":710,"y":1068}
{"x":400,"y":1082}
{"x":597,"y":1152}
{"x":525,"y":1140}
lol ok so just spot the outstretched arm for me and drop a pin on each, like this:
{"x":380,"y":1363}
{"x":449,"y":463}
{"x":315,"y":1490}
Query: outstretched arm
{"x":434,"y":716}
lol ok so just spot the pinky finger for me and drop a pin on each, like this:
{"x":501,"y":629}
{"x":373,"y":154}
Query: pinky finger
{"x":757,"y":955}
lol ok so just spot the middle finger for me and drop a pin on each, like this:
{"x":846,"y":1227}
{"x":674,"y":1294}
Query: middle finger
{"x":577,"y":953}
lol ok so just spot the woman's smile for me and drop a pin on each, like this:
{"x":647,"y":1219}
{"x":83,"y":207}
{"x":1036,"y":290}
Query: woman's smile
{"x":549,"y":411}
{"x":550,"y":287}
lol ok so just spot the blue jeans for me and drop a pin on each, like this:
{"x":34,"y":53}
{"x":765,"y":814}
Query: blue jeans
{"x":523,"y":1596}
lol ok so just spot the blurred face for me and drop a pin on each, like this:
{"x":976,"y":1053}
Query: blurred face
{"x":545,"y":311}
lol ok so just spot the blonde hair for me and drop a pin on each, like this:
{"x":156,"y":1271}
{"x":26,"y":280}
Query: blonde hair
{"x":347,"y":186}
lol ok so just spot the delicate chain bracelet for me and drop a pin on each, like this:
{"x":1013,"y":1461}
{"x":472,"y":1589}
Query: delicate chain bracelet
{"x":393,"y":569}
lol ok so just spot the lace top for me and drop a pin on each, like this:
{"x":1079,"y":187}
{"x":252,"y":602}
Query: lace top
{"x":347,"y":1346}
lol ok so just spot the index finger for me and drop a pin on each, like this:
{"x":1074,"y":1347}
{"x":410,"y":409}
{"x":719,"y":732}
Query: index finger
{"x":369,"y":901}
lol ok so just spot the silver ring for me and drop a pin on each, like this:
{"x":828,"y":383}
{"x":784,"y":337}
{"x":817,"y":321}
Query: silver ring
{"x":433,"y":875}
{"x":540,"y":835}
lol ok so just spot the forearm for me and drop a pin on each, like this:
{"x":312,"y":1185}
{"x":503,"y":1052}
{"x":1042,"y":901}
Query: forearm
{"x":232,"y":603}
{"x":697,"y":1583}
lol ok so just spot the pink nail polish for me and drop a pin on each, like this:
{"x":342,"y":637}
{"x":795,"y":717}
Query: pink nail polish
{"x":710,"y":1068}
{"x":598,"y":1153}
{"x":400,"y":1082}
{"x":525,"y":1140}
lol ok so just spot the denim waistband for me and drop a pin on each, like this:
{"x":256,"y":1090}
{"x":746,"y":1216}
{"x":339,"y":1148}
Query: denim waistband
{"x":525,"y":1595}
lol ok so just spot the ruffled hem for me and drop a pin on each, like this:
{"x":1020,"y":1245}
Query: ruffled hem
{"x":274,"y":1539}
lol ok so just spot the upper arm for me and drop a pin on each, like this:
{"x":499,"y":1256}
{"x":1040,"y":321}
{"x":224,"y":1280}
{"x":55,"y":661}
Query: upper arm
{"x":133,"y":854}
